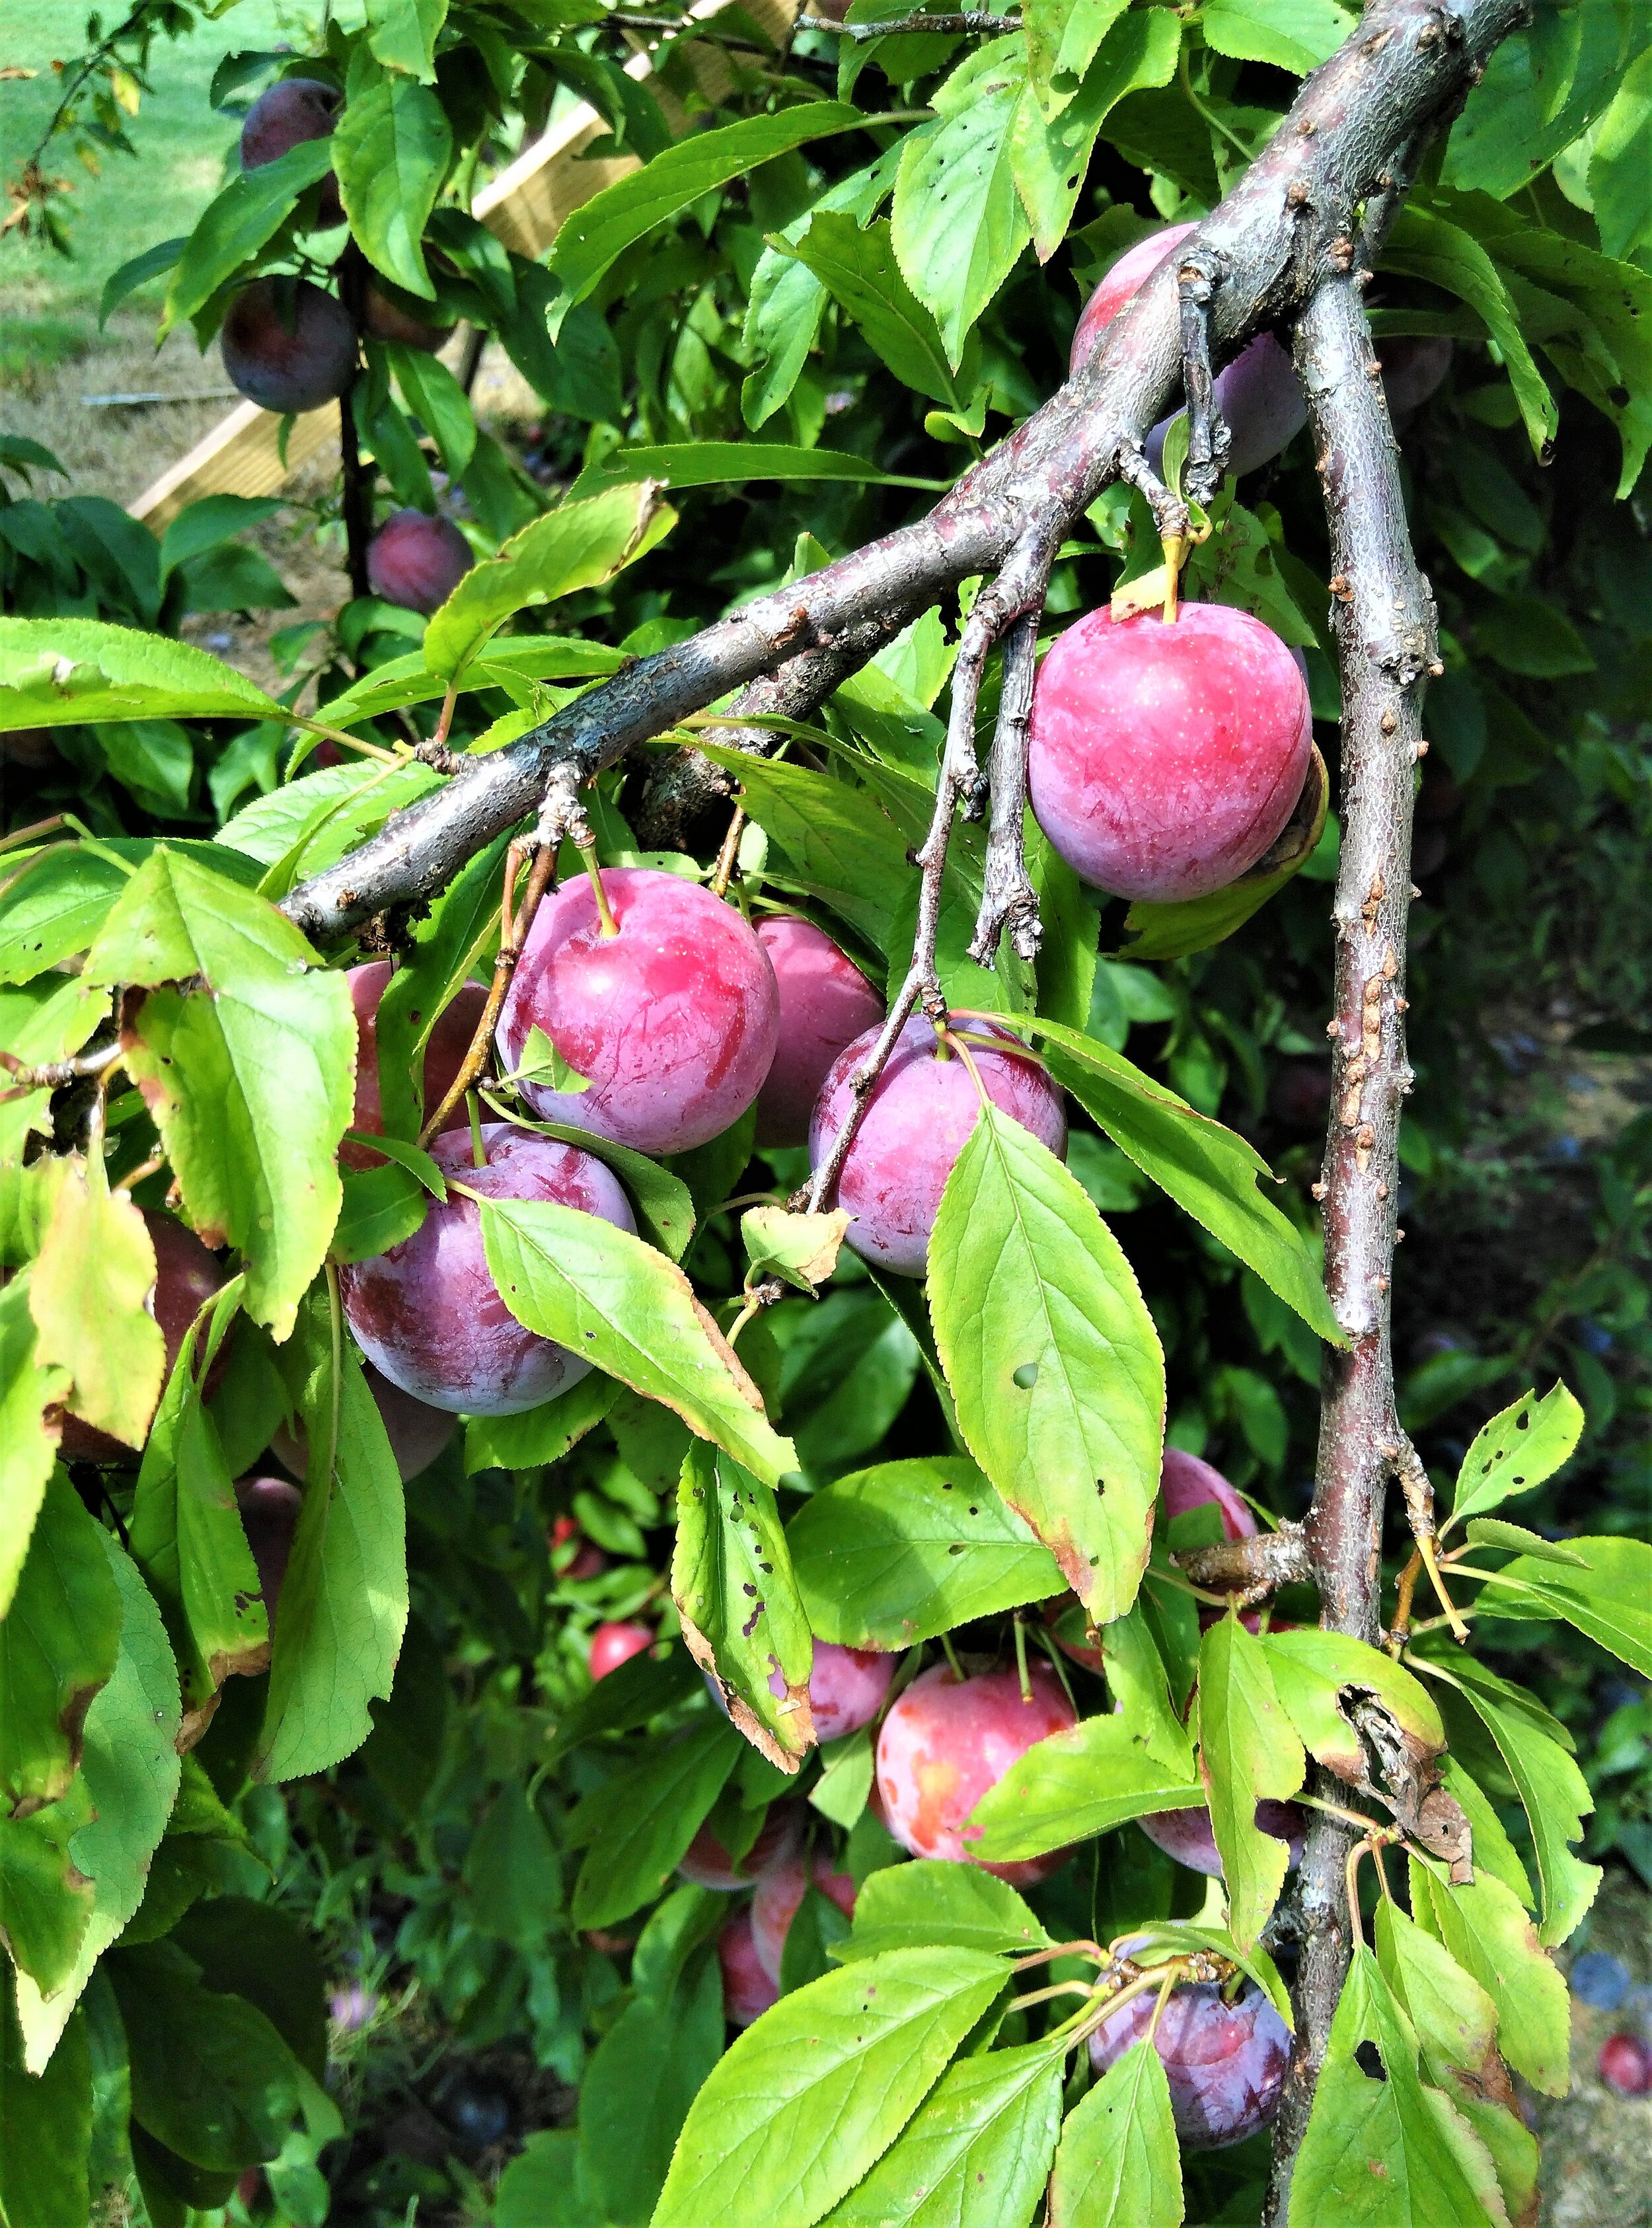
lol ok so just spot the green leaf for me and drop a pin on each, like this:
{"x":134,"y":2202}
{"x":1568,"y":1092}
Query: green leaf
{"x":1052,"y":1357}
{"x":1062,"y":40}
{"x":1293,"y":35}
{"x":810,"y":2096}
{"x":91,"y":1277}
{"x":663,"y":1202}
{"x":1541,"y":90}
{"x":1491,"y":1937}
{"x":59,"y":1642}
{"x":577,"y":546}
{"x":1493,"y":1852}
{"x":539,"y":1435}
{"x":642,"y":1686}
{"x":131,"y":1765}
{"x":28,"y":1442}
{"x":269,"y":1955}
{"x":1051,"y":139}
{"x":639,"y":1823}
{"x":842,"y":845}
{"x":1620,"y":182}
{"x":540,"y":2188}
{"x":249,"y":1075}
{"x":1117,"y":2165}
{"x":1311,"y":1671}
{"x":436,"y":399}
{"x":845,"y":1783}
{"x":977,"y":2154}
{"x":232,"y":228}
{"x":512,"y":1872}
{"x":210,"y":521}
{"x":857,"y":266}
{"x":721,"y":463}
{"x":1514,"y":1539}
{"x":463,"y":928}
{"x":1517,"y":1451}
{"x":1552,"y":1790}
{"x":906,"y":1551}
{"x":594,"y":236}
{"x":312,"y":822}
{"x":382,"y":1207}
{"x":344,"y":1598}
{"x":640,"y":2084}
{"x":44,"y":1903}
{"x":1379,"y":2151}
{"x":210,"y":2076}
{"x":742,"y":1621}
{"x":1425,"y":245}
{"x":1612,"y":1600}
{"x":1075,"y":1784}
{"x":67,"y":672}
{"x":1209,"y":1172}
{"x":604,"y":1294}
{"x":1455,"y":2022}
{"x":1248,"y":1754}
{"x":186,"y":1530}
{"x":391,"y":149}
{"x":124,"y":280}
{"x":929,"y":1901}
{"x":785,"y":299}
{"x":45,"y":2130}
{"x":1139,"y":1683}
{"x":402,"y":34}
{"x":958,"y":224}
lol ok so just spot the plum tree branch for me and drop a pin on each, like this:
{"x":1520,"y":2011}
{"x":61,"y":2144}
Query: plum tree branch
{"x":1383,"y":618}
{"x":1284,"y":226}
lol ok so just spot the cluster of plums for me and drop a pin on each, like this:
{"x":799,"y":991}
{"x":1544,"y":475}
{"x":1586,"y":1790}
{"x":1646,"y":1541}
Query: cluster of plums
{"x":289,"y":345}
{"x":942,"y":1744}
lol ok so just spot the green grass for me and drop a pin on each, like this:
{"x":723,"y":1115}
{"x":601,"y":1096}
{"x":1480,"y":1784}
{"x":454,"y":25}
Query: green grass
{"x":183,"y":147}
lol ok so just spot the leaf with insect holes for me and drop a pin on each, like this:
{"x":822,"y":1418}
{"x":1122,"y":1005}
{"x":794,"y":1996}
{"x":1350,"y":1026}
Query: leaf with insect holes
{"x":906,"y":1550}
{"x":1516,"y":1452}
{"x":1312,"y":1670}
{"x":1117,"y":2165}
{"x":802,"y":1249}
{"x":1383,"y":2147}
{"x":93,"y":1272}
{"x":1455,"y":2022}
{"x":1248,"y":1754}
{"x":744,"y":1625}
{"x":1052,"y":1357}
{"x":810,"y":2097}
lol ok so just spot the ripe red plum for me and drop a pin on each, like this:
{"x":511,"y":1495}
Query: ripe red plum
{"x":417,"y":561}
{"x":285,"y":115}
{"x":747,"y":1990}
{"x":847,"y":1687}
{"x":825,"y":1004}
{"x":1626,"y":2065}
{"x":917,"y":1119}
{"x":946,"y":1741}
{"x":672,"y":1021}
{"x":444,"y":1050}
{"x":1225,"y":2063}
{"x":269,"y":1508}
{"x":707,"y":1863}
{"x":287,"y":345}
{"x":1165,"y":760}
{"x":186,"y":1277}
{"x":1187,"y":1836}
{"x":428,"y":1314}
{"x":614,"y":1644}
{"x":1185,"y":1483}
{"x":585,"y":1561}
{"x":1257,"y":392}
{"x":779,"y":1893}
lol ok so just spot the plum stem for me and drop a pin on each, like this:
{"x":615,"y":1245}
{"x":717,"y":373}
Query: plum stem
{"x":1025,"y":1675}
{"x":728,"y":852}
{"x":604,"y":910}
{"x":32,"y":833}
{"x":478,"y":1151}
{"x":951,"y":1654}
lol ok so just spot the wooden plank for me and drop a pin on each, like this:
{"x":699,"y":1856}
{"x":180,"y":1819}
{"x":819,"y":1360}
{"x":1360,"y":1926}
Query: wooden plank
{"x":525,"y":206}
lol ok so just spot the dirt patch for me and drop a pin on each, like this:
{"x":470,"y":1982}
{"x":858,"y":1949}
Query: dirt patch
{"x":1596,"y":2145}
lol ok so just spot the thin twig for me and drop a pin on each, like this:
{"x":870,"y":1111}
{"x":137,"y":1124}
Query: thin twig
{"x":959,"y":25}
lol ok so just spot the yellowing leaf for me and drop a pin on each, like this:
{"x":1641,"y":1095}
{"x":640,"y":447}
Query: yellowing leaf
{"x":91,"y":1278}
